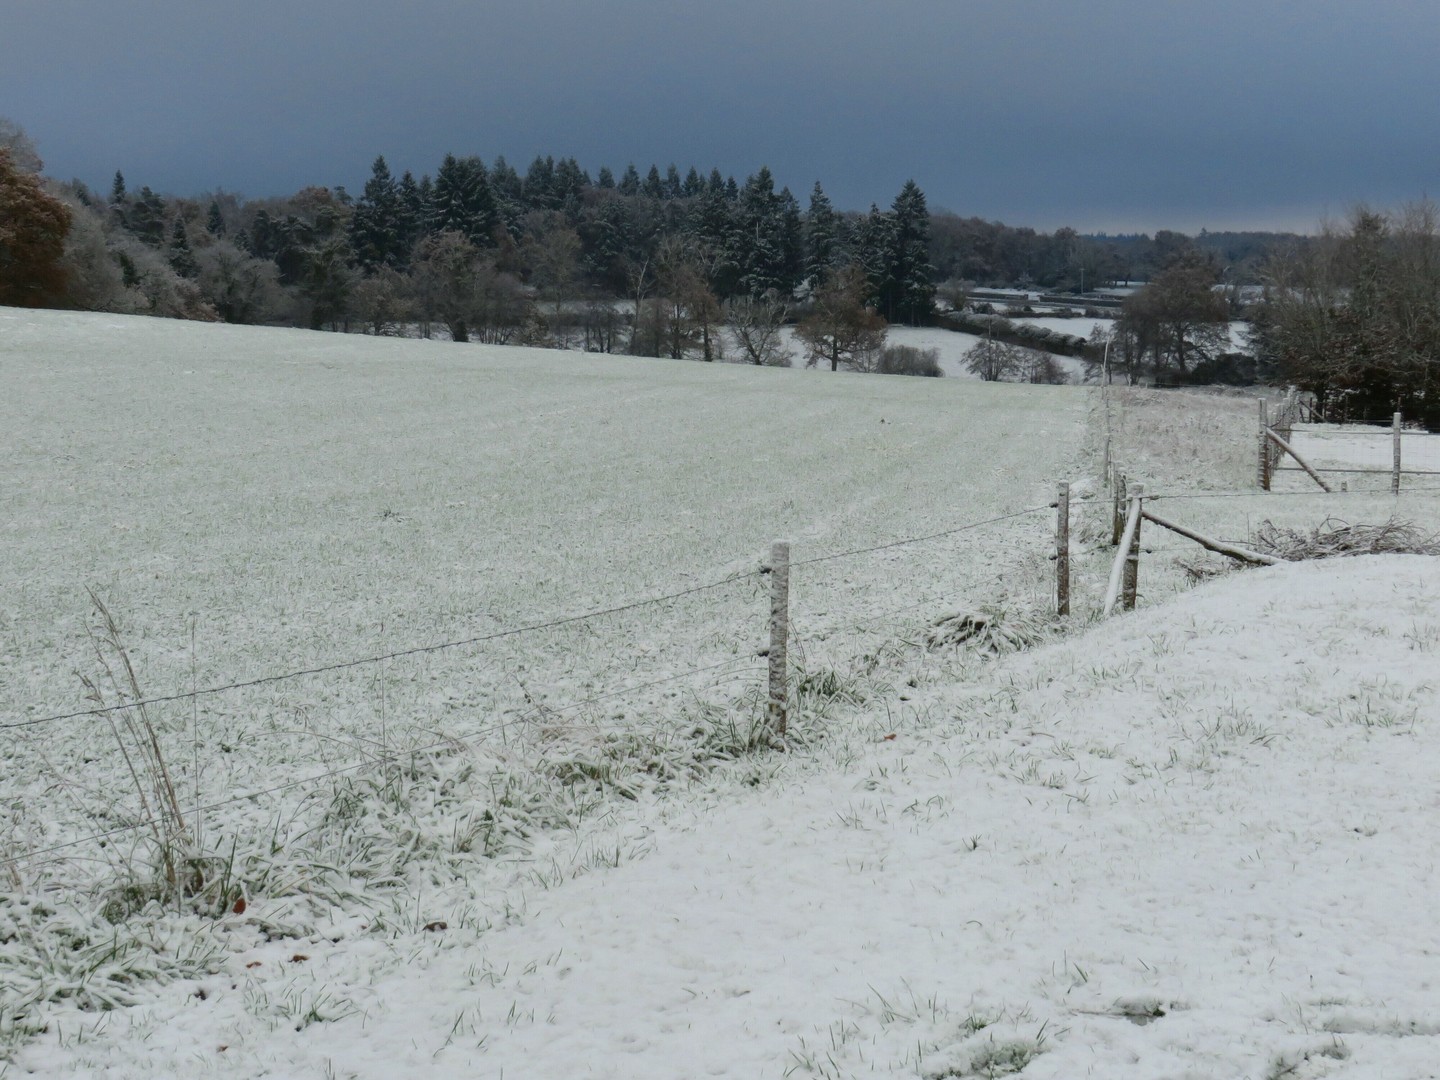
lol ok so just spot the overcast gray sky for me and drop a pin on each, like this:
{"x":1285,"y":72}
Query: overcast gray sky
{"x":1101,"y":114}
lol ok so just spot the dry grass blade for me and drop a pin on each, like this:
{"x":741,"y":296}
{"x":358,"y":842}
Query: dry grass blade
{"x":1333,"y":538}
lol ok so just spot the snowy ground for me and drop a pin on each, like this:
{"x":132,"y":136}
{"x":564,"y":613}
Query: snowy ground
{"x":1371,"y":448}
{"x":1196,"y":841}
{"x":952,"y":345}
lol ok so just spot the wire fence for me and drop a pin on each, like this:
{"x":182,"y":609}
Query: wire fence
{"x":732,"y":668}
{"x":735,"y":666}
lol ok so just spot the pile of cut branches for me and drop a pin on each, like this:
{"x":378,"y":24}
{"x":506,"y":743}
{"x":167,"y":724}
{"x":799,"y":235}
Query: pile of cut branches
{"x":1333,"y":538}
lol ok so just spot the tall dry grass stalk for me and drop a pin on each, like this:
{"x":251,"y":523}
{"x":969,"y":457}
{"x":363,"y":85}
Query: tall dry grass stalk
{"x":117,"y":691}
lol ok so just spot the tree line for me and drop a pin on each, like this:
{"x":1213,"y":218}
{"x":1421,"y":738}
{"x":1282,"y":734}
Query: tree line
{"x":651,"y":263}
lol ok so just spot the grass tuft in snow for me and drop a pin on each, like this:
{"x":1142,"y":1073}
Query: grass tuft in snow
{"x":993,"y":629}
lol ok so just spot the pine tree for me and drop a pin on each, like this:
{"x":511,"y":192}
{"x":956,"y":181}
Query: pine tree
{"x":653,"y":187}
{"x":570,"y":182}
{"x":792,"y":242}
{"x":377,"y":225}
{"x":820,"y":237}
{"x":540,"y":185}
{"x":674,"y":186}
{"x":871,"y":251}
{"x":214,"y":220}
{"x":509,"y":192}
{"x":606,"y":179}
{"x":758,"y":242}
{"x":147,"y":218}
{"x":424,"y":207}
{"x":463,"y":201}
{"x":630,"y":181}
{"x":693,"y":184}
{"x":413,"y":213}
{"x":182,"y":259}
{"x":117,"y":189}
{"x":907,"y":292}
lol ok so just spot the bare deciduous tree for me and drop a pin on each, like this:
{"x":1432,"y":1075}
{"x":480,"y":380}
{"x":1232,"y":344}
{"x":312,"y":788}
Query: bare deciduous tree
{"x":843,"y":328}
{"x":755,"y":325}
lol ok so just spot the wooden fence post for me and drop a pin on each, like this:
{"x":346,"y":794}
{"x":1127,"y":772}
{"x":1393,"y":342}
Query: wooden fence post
{"x":1118,"y":524}
{"x":1262,"y":471}
{"x":1132,"y":556}
{"x":779,"y":632}
{"x":1062,"y":551}
{"x":1109,"y":464}
{"x":1395,"y":469}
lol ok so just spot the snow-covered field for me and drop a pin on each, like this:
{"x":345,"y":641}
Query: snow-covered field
{"x":952,"y":345}
{"x":1196,"y":841}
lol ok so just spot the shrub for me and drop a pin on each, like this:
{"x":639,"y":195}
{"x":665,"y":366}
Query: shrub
{"x":910,"y":360}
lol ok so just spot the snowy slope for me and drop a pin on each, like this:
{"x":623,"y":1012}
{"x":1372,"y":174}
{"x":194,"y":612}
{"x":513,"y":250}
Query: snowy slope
{"x":1197,"y":841}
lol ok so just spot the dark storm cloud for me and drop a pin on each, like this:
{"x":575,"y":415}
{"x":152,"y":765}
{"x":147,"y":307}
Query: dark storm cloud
{"x":1105,"y":114}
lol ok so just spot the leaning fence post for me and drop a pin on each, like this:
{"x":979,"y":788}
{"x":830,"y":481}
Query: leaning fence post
{"x":1395,"y":469}
{"x":1132,"y":556}
{"x":1062,"y":551}
{"x":779,"y":631}
{"x":1117,"y":524}
{"x":1263,"y":462}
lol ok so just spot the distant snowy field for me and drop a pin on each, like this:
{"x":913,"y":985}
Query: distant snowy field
{"x":1196,"y":841}
{"x":952,"y":345}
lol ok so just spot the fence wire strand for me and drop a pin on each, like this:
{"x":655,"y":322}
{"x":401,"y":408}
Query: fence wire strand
{"x":920,"y":539}
{"x":386,"y":757}
{"x":343,"y":665}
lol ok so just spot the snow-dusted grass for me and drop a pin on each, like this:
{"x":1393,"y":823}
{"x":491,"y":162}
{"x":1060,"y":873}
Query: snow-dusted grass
{"x":1197,"y":841}
{"x":1194,"y":841}
{"x":1365,"y":446}
{"x":952,"y":345}
{"x":250,"y":502}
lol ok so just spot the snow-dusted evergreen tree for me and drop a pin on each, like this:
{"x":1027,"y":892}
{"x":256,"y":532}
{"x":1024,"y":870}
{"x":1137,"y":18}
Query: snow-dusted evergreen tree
{"x":214,"y":220}
{"x":820,"y":236}
{"x":509,"y":191}
{"x":792,"y":241}
{"x":377,"y":228}
{"x":630,"y":181}
{"x":654,"y":186}
{"x":146,"y":218}
{"x":907,"y":290}
{"x":605,"y":180}
{"x":870,"y":250}
{"x":182,"y":259}
{"x":693,"y":185}
{"x":758,"y":245}
{"x":462,"y":201}
{"x":570,"y":183}
{"x":414,"y":212}
{"x":539,"y":184}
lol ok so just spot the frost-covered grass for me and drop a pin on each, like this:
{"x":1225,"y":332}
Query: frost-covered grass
{"x":249,"y":502}
{"x":1191,"y":841}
